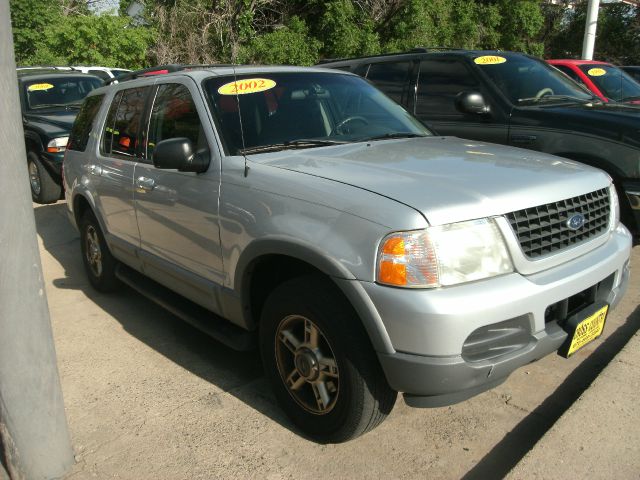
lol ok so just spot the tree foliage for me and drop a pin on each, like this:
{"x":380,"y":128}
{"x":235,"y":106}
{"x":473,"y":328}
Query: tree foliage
{"x":305,"y":31}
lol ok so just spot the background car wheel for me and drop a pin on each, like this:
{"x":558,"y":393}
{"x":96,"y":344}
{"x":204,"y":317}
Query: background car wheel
{"x":320,"y":362}
{"x":98,"y":261}
{"x":43,"y":188}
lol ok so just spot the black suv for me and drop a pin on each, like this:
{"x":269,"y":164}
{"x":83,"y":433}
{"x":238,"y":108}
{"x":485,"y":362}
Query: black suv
{"x":513,"y":99}
{"x":49,"y":100}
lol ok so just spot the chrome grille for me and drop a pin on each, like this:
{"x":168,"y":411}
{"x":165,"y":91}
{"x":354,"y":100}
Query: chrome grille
{"x":543,"y":229}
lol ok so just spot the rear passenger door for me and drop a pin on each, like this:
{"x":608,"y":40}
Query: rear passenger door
{"x":177,"y":212}
{"x":394,"y":78}
{"x":440,"y":81}
{"x":119,"y":151}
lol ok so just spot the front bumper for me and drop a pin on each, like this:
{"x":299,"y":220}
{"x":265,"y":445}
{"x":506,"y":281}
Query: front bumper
{"x":430,"y":329}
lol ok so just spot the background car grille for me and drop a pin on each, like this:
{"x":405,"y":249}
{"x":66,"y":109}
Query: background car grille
{"x":543,"y":229}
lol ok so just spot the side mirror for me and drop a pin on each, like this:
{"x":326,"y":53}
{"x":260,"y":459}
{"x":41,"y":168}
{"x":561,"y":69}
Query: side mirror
{"x":178,"y":154}
{"x":472,"y":102}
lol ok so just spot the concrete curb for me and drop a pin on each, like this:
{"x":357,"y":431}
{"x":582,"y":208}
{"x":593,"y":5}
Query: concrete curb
{"x":597,"y":436}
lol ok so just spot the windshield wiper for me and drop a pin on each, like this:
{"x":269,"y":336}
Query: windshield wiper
{"x":630,"y":99}
{"x":394,"y":135}
{"x":290,"y":145}
{"x":55,"y":105}
{"x":546,"y":98}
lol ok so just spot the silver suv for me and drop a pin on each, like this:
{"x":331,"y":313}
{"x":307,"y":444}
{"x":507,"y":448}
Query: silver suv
{"x":303,"y":211}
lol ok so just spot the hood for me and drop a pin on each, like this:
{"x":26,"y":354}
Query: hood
{"x":62,"y":119}
{"x":615,"y":121}
{"x":445,"y":178}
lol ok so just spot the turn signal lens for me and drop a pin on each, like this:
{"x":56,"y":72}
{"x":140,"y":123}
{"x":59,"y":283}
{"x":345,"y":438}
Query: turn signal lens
{"x":57,"y":145}
{"x":407,"y":260}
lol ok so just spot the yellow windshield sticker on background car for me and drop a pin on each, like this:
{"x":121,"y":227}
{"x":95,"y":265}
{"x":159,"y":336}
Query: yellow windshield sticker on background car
{"x":489,"y":60}
{"x":36,"y":87}
{"x":597,"y":72}
{"x":248,"y":85}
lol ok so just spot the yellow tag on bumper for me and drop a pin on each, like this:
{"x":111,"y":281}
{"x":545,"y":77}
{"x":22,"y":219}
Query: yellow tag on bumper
{"x":588,"y":330}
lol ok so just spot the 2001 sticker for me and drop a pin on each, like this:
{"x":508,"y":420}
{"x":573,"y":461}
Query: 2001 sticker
{"x":489,"y":60}
{"x":248,"y":85}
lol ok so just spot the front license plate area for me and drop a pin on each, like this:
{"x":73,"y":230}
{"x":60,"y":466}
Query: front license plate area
{"x":583,"y":328}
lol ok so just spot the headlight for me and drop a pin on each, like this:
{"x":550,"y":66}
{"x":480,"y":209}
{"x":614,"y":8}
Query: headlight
{"x":57,"y":145}
{"x":443,"y":255}
{"x":615,"y":207}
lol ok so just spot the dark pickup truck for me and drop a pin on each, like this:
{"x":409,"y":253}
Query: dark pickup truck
{"x":49,"y":100}
{"x":513,"y":99}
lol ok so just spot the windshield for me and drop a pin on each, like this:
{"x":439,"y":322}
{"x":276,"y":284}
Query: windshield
{"x":527,"y":81}
{"x":304,"y":110}
{"x":58,"y":92}
{"x":612,"y":82}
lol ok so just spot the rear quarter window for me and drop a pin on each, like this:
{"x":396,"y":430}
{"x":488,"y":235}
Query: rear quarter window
{"x":84,"y":123}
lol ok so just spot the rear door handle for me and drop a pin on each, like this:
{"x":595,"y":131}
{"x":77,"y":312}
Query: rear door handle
{"x":145,"y":183}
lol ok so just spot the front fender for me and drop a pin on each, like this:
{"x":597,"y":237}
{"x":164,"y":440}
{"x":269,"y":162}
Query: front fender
{"x":311,"y":255}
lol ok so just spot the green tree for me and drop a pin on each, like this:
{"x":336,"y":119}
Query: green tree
{"x":289,"y":44}
{"x":95,"y":40}
{"x":29,"y":20}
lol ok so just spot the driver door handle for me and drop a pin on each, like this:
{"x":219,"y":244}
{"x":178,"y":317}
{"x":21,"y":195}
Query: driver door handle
{"x":145,"y":183}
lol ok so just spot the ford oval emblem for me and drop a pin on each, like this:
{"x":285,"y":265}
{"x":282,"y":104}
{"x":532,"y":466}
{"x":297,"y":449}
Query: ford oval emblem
{"x":576,"y":221}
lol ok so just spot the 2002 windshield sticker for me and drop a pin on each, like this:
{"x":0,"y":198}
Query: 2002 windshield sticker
{"x":248,"y":85}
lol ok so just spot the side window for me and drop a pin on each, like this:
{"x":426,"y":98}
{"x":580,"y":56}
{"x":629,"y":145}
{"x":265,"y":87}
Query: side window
{"x":122,"y":128}
{"x":107,"y":135}
{"x":573,"y":75}
{"x":84,"y":123}
{"x":174,"y":115}
{"x":439,"y":83}
{"x":391,"y":77}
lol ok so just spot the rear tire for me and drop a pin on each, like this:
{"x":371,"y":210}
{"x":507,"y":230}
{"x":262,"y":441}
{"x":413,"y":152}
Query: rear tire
{"x":43,"y":188}
{"x":99,"y":264}
{"x":323,"y":370}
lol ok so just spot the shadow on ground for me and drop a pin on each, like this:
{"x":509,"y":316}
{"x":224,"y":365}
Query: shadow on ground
{"x":238,"y":373}
{"x":516,"y":444}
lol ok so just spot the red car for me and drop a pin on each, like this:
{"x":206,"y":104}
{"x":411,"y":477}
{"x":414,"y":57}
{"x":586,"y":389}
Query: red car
{"x":607,"y":81}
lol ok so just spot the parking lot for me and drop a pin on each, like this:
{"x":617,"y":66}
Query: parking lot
{"x":147,"y":396}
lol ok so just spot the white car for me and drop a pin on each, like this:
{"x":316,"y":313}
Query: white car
{"x":104,"y":73}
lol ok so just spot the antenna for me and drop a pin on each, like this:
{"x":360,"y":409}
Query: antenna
{"x":246,"y":166}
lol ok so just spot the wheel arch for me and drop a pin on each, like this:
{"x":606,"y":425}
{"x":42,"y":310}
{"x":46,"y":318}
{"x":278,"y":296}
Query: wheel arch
{"x":267,"y":263}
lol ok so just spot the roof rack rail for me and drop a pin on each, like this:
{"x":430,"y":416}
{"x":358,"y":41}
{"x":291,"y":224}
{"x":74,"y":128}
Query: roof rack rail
{"x":160,"y":70}
{"x":429,"y":49}
{"x":145,"y":72}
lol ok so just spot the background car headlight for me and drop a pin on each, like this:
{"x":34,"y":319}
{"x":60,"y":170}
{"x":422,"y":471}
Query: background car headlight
{"x":57,"y":145}
{"x":443,"y":255}
{"x":615,"y":207}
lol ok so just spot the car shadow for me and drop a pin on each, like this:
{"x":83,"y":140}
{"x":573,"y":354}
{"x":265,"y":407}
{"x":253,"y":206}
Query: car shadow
{"x":506,"y":454}
{"x":237,"y":373}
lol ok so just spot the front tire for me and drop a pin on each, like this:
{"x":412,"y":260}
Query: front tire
{"x":99,"y":264}
{"x":321,"y":365}
{"x":44,"y":189}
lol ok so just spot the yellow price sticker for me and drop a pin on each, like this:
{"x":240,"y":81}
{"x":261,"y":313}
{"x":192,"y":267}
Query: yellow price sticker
{"x":597,"y":72}
{"x":248,"y":85}
{"x":37,"y":87}
{"x":489,"y":60}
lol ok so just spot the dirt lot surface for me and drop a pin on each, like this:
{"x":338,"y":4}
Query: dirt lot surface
{"x":149,"y":397}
